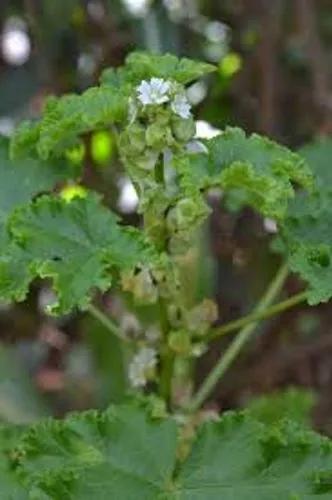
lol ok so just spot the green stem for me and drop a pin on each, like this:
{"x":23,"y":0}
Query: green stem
{"x":239,"y":341}
{"x":166,"y":357}
{"x":166,"y":375}
{"x":257,"y":315}
{"x":107,"y":322}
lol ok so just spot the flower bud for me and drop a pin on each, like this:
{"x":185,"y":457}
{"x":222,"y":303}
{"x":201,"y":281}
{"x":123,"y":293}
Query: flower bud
{"x":180,"y":216}
{"x":141,"y":285}
{"x":179,"y":342}
{"x":200,"y":318}
{"x":132,"y":140}
{"x":147,"y":161}
{"x":156,"y":136}
{"x":183,"y":129}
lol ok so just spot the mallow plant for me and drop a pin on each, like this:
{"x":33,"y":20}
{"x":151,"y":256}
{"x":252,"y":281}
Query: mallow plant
{"x":158,"y":443}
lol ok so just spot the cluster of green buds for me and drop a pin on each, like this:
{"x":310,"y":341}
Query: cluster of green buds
{"x":160,"y":123}
{"x":188,"y":340}
{"x":141,"y":283}
{"x":182,"y":220}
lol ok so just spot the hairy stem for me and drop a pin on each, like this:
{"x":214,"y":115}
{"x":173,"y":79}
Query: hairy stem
{"x":239,"y":341}
{"x":107,"y":322}
{"x":166,"y":375}
{"x":257,"y":315}
{"x":166,"y":356}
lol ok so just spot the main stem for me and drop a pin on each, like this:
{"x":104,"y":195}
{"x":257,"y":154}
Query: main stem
{"x":166,"y":356}
{"x":239,"y":341}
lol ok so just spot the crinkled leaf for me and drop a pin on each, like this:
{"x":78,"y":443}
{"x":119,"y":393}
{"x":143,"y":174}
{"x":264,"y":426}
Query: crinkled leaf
{"x":143,"y":65}
{"x":318,"y":154}
{"x":24,"y":139}
{"x":11,"y":487}
{"x":75,"y":244}
{"x":65,"y":118}
{"x":307,"y":242}
{"x":238,"y":458}
{"x":21,"y":180}
{"x":306,"y":231}
{"x":260,"y":172}
{"x":124,"y":453}
{"x":293,"y":403}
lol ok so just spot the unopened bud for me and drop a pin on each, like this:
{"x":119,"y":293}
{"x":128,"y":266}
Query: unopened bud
{"x":179,"y":342}
{"x":183,"y":129}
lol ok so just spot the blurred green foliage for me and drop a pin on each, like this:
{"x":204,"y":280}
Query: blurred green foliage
{"x":294,"y":404}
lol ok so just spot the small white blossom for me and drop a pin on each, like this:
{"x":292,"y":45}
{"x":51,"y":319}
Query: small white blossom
{"x":181,"y":106}
{"x":270,"y":225}
{"x":153,"y":333}
{"x":141,"y":366}
{"x":154,"y":91}
{"x":130,"y":325}
{"x":204,"y":130}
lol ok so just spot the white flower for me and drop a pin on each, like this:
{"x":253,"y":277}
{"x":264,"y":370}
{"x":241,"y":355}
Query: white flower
{"x":270,"y":225}
{"x":181,"y":106}
{"x":204,"y":130}
{"x":130,"y":325}
{"x":153,"y":333}
{"x":142,"y":366}
{"x":153,"y":92}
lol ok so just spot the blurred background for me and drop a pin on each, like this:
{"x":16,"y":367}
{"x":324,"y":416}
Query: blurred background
{"x":273,"y":76}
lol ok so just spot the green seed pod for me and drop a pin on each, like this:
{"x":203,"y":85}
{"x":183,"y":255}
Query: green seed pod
{"x":200,"y":318}
{"x":179,"y":342}
{"x":141,"y":285}
{"x":183,"y":129}
{"x":183,"y":214}
{"x":132,"y":140}
{"x":147,"y":161}
{"x":163,"y":117}
{"x":155,"y":136}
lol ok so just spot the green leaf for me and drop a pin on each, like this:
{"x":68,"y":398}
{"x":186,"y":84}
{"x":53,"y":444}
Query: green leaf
{"x":306,"y":231}
{"x":307,"y":240}
{"x":238,"y":458}
{"x":144,"y":65}
{"x":318,"y":155}
{"x":21,"y":180}
{"x":293,"y":403}
{"x":65,"y":118}
{"x":124,"y":453}
{"x":167,"y":66}
{"x":260,"y":172}
{"x":76,"y":244}
{"x":24,"y":140}
{"x":11,"y":485}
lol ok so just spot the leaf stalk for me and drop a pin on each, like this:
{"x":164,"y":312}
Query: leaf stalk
{"x":249,"y":324}
{"x":107,"y":322}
